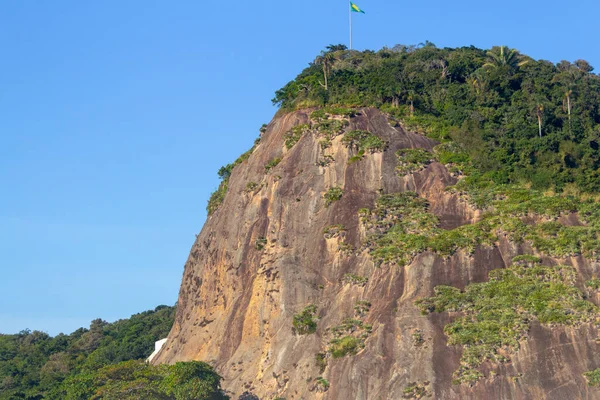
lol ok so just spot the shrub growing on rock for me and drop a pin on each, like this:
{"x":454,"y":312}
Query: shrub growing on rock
{"x":305,"y":322}
{"x":332,"y":195}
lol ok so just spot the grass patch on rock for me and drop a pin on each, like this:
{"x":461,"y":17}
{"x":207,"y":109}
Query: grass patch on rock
{"x":496,"y":315}
{"x":347,"y":345}
{"x":260,"y":243}
{"x":357,"y":280}
{"x":334,"y":231}
{"x":272,"y":164}
{"x":294,"y":135}
{"x":332,"y":195}
{"x":400,"y":227}
{"x":415,"y":390}
{"x":412,"y":160}
{"x":349,"y":337}
{"x":363,"y":142}
{"x":593,"y":377}
{"x":330,"y":128}
{"x":593,"y":284}
{"x":321,"y":361}
{"x":322,"y":384}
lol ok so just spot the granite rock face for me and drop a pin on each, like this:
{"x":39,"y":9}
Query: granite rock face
{"x":262,"y":258}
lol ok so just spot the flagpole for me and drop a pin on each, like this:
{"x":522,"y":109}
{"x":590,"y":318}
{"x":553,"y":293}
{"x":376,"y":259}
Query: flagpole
{"x":350,"y":11}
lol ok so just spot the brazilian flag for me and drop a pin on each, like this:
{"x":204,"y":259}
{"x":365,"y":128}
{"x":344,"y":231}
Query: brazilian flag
{"x":355,"y":8}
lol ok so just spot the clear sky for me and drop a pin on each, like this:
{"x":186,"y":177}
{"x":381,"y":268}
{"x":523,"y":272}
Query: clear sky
{"x":116,"y":115}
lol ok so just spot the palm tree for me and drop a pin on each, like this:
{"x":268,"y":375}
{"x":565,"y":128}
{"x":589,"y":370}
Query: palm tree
{"x":504,"y":57}
{"x":332,"y":48}
{"x":441,"y":64}
{"x":539,"y":112}
{"x":326,"y":59}
{"x":411,"y":98}
{"x":566,"y":79}
{"x":479,"y":83}
{"x":568,"y":94}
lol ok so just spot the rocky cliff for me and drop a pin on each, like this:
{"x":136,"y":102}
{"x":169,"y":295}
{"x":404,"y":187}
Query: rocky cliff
{"x":289,"y":296}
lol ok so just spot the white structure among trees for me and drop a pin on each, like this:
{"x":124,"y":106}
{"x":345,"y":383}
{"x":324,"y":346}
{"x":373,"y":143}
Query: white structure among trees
{"x":157,"y":346}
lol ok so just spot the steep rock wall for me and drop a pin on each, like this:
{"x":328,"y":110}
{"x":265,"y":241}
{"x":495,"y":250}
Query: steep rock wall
{"x":237,"y":300}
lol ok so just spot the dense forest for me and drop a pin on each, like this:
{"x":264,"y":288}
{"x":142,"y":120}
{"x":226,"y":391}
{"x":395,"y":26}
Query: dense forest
{"x":105,"y":361}
{"x":519,"y":119}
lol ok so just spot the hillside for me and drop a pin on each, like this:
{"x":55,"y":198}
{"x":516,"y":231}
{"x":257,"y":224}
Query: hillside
{"x":413,"y":222}
{"x":105,"y":361}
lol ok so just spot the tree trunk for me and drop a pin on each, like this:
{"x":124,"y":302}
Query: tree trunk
{"x":539,"y":112}
{"x":325,"y":74}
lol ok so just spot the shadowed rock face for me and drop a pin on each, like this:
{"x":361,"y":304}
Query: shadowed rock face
{"x":237,"y":301}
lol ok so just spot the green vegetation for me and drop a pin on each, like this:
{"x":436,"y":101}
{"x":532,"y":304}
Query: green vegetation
{"x":322,"y":384}
{"x":251,"y":187}
{"x":328,"y":112}
{"x":593,"y":283}
{"x":350,"y":325}
{"x":593,"y":377}
{"x":260,"y":243}
{"x":355,"y":280}
{"x":332,"y":195}
{"x":517,"y":200}
{"x":517,"y":118}
{"x":293,"y":136}
{"x":305,"y":322}
{"x":217,"y":197}
{"x":97,"y":363}
{"x":452,"y":153}
{"x":506,"y":206}
{"x":341,"y":111}
{"x":400,"y":226}
{"x":348,"y":337}
{"x":363,"y":142}
{"x":417,"y":337}
{"x":325,"y":161}
{"x":319,"y":115}
{"x":133,"y":380}
{"x":412,"y":160}
{"x":497,"y":314}
{"x":272,"y":164}
{"x":330,"y":128}
{"x":362,"y":308}
{"x":416,"y":390}
{"x":321,"y":361}
{"x":346,"y":248}
{"x":334,"y":231}
{"x":330,"y":122}
{"x":357,"y":157}
{"x":325,"y":144}
{"x":347,"y":345}
{"x":526,"y":259}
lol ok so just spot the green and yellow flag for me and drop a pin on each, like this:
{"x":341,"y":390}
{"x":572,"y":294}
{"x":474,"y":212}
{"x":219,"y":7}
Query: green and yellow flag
{"x":355,"y":8}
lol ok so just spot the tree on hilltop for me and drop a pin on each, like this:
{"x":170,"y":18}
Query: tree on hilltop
{"x":504,"y":57}
{"x":326,"y":60}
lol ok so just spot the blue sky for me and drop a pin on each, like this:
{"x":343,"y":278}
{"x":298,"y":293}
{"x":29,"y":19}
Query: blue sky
{"x":116,"y":115}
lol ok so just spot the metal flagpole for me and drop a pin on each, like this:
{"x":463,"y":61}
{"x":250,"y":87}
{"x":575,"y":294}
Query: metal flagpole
{"x":350,"y":10}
